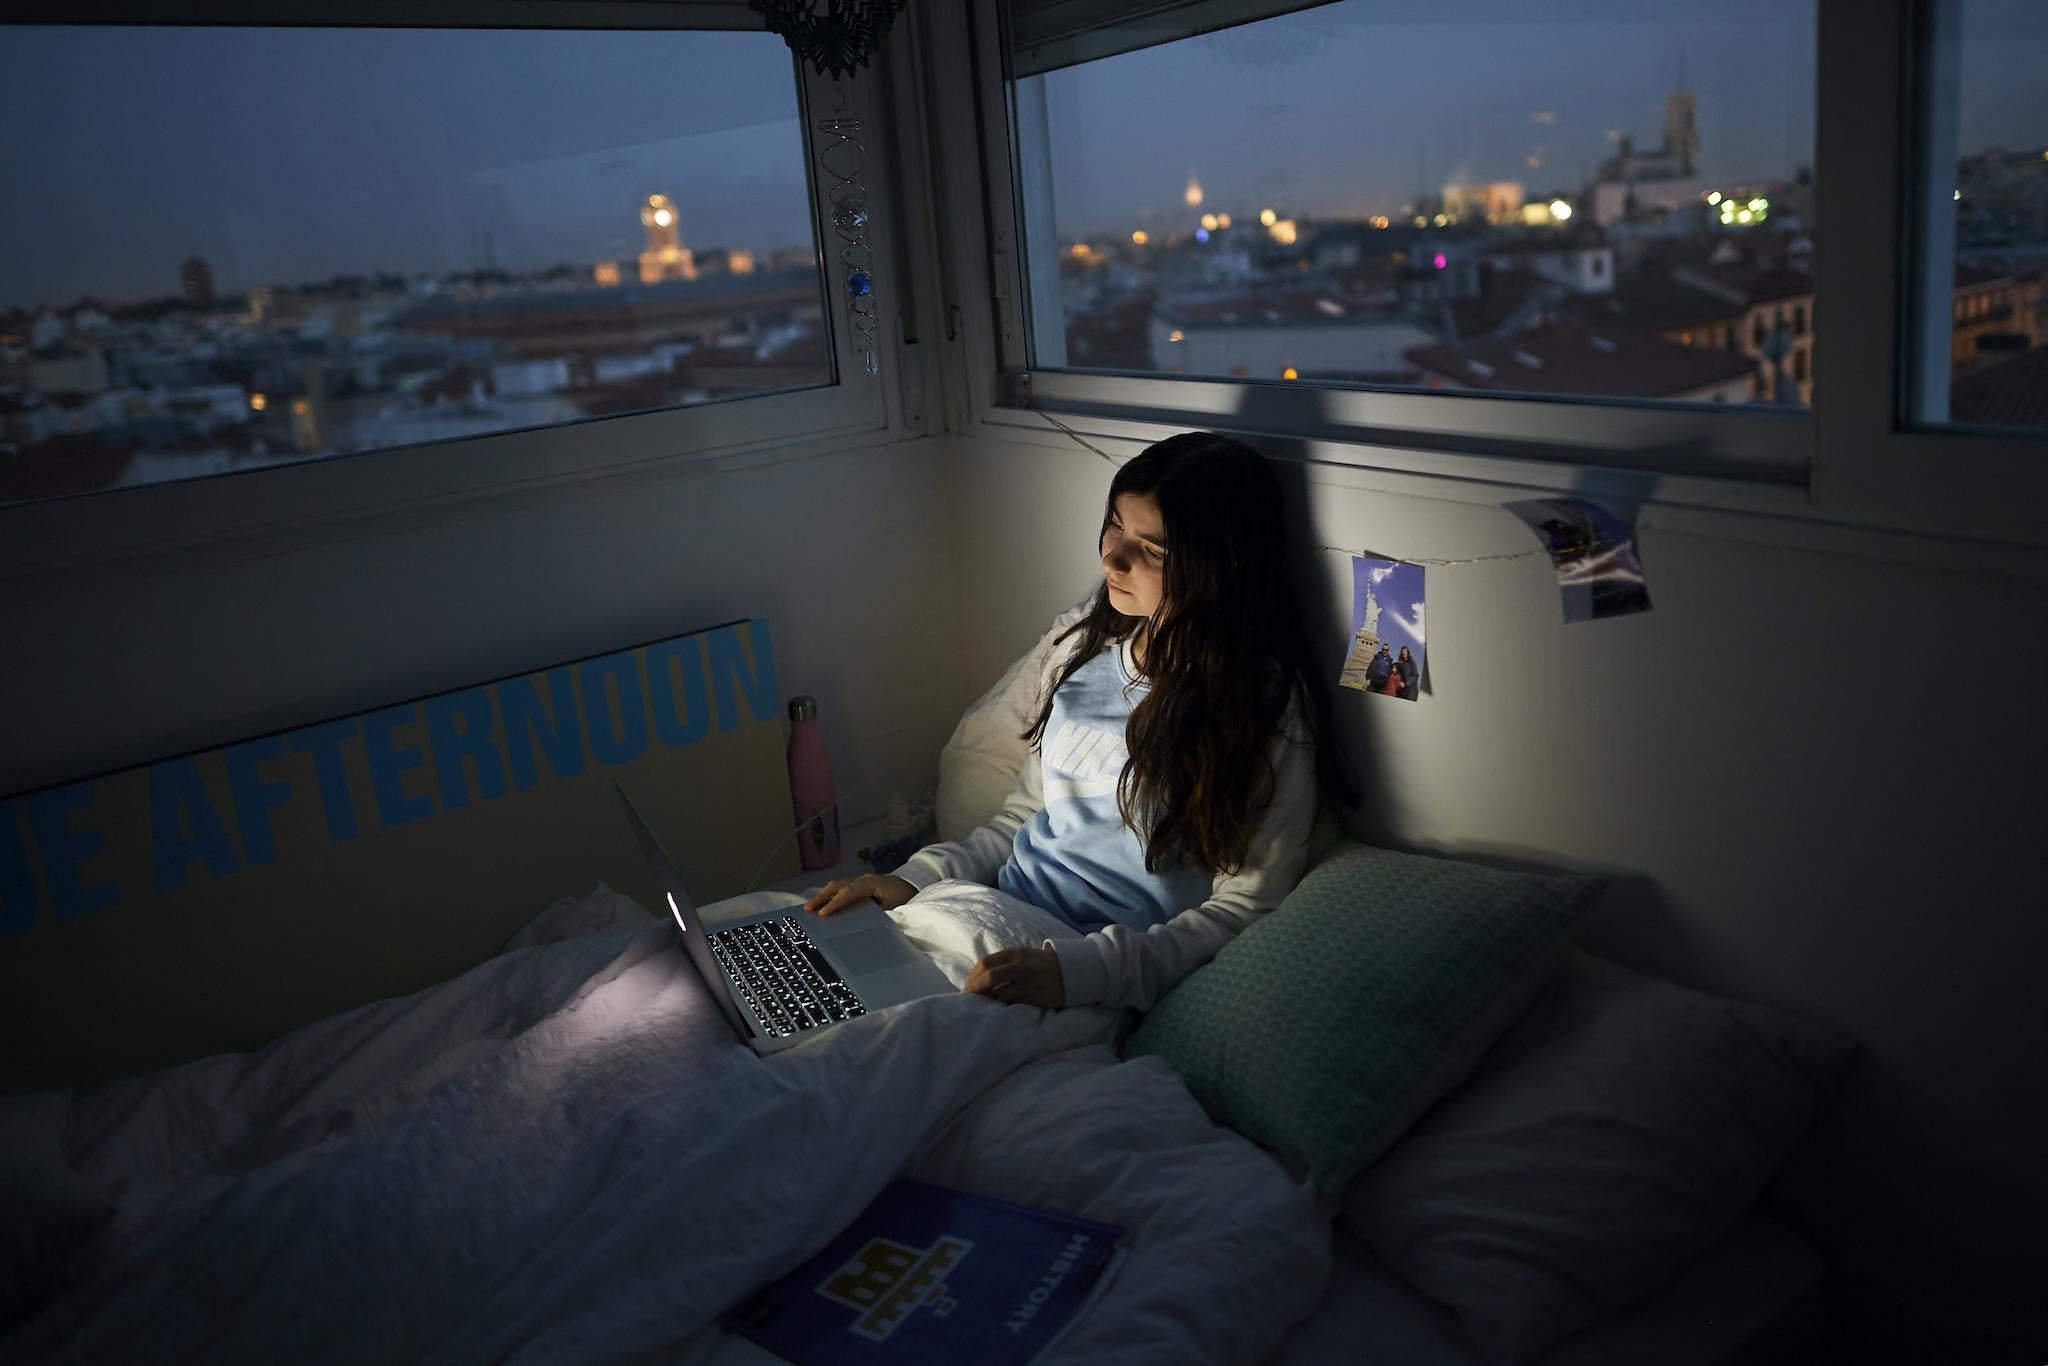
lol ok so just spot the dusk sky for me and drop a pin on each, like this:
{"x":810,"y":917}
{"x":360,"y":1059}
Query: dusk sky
{"x":288,"y":155}
{"x":282,"y":156}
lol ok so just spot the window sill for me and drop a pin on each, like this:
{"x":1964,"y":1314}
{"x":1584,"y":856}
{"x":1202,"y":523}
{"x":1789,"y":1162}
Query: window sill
{"x":259,"y":513}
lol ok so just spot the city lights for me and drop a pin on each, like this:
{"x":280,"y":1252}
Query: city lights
{"x":1080,"y":248}
{"x":1288,"y":373}
{"x":1201,"y":234}
{"x":1268,"y":218}
{"x":1379,"y":220}
{"x":1209,"y":221}
{"x":1560,"y":210}
{"x":257,"y":403}
{"x":1222,"y":220}
{"x":1139,"y":237}
{"x":1283,"y":232}
{"x":1175,"y":336}
{"x":1194,"y":194}
{"x":1439,"y":261}
{"x":1714,"y":197}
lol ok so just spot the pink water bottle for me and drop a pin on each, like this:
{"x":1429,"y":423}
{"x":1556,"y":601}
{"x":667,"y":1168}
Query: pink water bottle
{"x":810,"y":786}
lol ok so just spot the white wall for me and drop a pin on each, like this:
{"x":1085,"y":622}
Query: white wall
{"x":1821,"y":775}
{"x":842,"y":554}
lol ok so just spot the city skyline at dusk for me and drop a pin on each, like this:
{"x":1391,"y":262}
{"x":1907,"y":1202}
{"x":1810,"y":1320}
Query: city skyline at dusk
{"x":289,"y":156}
{"x":284,"y":156}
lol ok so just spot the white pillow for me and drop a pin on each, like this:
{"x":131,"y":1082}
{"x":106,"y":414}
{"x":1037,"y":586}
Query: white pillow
{"x":1614,"y":1134}
{"x":978,"y":768}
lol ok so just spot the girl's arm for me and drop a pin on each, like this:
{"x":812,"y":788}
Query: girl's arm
{"x":1119,"y":966}
{"x":983,"y":853}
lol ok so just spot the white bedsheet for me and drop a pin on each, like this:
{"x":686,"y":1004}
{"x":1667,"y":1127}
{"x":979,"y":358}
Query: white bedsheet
{"x":563,"y":1155}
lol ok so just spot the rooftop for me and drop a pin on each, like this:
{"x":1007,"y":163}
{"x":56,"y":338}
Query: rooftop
{"x":2005,"y":393}
{"x":1615,"y":362}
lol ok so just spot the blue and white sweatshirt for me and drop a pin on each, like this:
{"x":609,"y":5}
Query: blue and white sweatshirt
{"x":1060,"y":844}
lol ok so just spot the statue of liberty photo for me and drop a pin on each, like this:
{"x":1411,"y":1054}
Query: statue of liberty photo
{"x":1364,"y":645}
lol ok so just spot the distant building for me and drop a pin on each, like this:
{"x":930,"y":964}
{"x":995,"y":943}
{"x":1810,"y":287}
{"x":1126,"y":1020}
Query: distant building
{"x":1581,"y":259}
{"x":63,"y":369}
{"x":1497,"y":202}
{"x":666,"y":258}
{"x":1265,"y":335}
{"x":1992,"y":306}
{"x":197,"y":278}
{"x":1663,"y":180}
{"x":638,"y":316}
{"x":725,"y":260}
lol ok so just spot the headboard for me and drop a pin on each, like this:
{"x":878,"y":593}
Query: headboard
{"x":214,"y":900}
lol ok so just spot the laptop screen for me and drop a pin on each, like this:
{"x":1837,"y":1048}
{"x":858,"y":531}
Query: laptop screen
{"x":696,"y":947}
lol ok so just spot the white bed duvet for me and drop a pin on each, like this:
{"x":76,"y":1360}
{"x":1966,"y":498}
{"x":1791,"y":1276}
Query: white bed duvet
{"x":564,"y":1155}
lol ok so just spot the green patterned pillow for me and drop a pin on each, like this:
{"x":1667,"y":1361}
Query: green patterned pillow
{"x":1328,"y":1027}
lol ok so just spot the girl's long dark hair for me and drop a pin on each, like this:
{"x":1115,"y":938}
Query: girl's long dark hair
{"x":1226,"y":656}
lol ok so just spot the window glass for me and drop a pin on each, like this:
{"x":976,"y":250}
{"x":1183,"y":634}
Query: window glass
{"x":230,"y":247}
{"x":1533,"y":198}
{"x":1981,"y":355}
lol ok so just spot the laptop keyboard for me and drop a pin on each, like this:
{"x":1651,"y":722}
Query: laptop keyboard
{"x":782,"y":977}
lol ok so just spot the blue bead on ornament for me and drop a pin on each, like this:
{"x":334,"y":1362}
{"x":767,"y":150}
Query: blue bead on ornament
{"x":859,"y":283}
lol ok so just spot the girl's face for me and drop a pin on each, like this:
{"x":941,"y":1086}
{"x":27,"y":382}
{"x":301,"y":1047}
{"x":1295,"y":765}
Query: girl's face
{"x":1134,"y":555}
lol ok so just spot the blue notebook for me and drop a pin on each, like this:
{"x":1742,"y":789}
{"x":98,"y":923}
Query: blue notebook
{"x":927,"y":1274}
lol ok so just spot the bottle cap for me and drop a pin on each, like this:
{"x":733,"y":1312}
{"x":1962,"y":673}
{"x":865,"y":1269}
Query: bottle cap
{"x":803,"y":708}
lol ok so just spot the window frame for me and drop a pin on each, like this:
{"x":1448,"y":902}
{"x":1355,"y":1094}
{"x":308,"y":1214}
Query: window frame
{"x":328,"y":497}
{"x":1851,"y":463}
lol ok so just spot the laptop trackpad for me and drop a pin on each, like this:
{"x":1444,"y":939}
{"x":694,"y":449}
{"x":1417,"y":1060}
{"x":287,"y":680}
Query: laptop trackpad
{"x":866,"y":951}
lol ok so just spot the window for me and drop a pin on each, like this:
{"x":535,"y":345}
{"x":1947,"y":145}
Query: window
{"x":1981,"y":208}
{"x":231,"y":248}
{"x":1518,"y":232}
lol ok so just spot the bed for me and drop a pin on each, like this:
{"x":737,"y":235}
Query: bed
{"x":562,"y":1154}
{"x":349,"y":1192}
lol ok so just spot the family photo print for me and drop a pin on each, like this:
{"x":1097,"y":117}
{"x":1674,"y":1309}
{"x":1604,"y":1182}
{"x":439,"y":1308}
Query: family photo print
{"x":1386,"y":628}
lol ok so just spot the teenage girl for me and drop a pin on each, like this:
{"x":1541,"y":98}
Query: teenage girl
{"x":1184,"y":750}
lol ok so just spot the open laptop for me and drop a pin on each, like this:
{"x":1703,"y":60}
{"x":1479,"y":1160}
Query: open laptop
{"x":786,"y":976}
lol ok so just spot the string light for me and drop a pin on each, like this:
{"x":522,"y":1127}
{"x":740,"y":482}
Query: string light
{"x":1335,"y":549}
{"x":1976,"y":565}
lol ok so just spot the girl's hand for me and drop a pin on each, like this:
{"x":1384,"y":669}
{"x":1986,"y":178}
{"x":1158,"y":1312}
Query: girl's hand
{"x":884,"y":889}
{"x":1028,"y":977}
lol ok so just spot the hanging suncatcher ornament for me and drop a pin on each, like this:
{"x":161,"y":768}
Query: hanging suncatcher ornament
{"x":836,"y":44}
